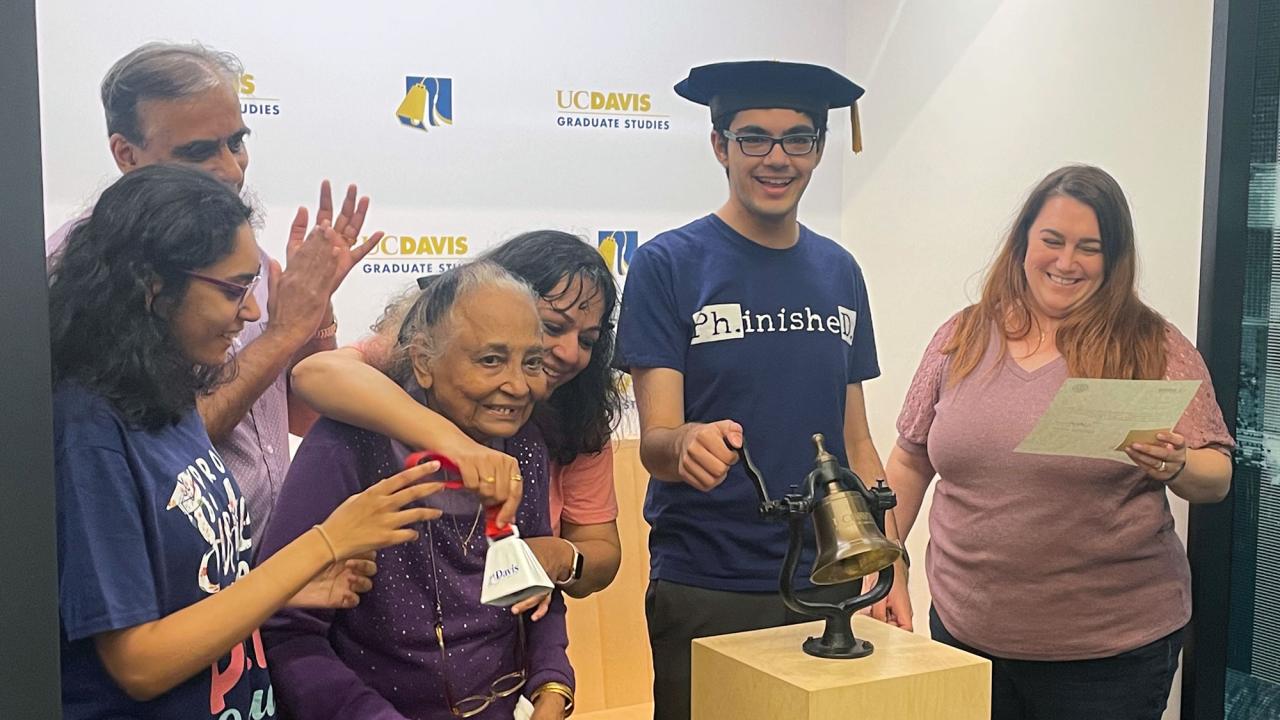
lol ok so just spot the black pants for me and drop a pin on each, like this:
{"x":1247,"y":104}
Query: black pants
{"x":677,"y":614}
{"x":1130,"y":686}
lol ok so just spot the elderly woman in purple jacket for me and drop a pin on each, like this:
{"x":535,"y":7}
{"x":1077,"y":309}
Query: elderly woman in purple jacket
{"x":420,"y":645}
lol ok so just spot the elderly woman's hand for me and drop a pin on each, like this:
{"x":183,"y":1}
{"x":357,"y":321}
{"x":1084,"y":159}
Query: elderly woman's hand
{"x":540,"y":604}
{"x":493,"y":475}
{"x":548,"y":706}
{"x":1164,"y":461}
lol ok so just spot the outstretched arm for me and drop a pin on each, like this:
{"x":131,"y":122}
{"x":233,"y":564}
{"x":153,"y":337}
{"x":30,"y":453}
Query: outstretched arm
{"x":340,"y":384}
{"x":673,"y":450}
{"x":152,"y":658}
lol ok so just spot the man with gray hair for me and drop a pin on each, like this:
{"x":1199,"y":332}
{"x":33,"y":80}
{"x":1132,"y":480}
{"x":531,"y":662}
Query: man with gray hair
{"x":171,"y":103}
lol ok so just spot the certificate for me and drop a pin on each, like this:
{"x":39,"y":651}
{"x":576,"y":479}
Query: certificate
{"x":1098,"y":418}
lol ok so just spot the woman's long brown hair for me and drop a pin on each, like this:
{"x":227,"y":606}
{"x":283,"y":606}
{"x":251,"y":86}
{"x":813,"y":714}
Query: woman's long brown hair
{"x":1112,"y":334}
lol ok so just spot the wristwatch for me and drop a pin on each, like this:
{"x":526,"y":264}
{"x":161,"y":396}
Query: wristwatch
{"x":576,"y":573}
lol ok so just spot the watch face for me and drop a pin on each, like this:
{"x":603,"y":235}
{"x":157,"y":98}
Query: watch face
{"x":577,"y":564}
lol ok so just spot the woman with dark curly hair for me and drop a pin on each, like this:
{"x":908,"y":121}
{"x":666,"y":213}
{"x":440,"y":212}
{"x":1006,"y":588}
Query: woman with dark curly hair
{"x":578,"y":297}
{"x":159,"y":610}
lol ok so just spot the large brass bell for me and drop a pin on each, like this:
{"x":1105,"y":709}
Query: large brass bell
{"x":850,"y":546}
{"x":848,"y":518}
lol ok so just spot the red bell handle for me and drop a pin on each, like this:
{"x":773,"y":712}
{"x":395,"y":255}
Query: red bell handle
{"x":491,"y":529}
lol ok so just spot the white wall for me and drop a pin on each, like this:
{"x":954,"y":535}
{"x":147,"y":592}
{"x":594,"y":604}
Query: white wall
{"x":504,"y":166}
{"x":968,"y":105}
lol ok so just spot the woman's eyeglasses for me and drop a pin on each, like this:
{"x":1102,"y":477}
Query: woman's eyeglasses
{"x":504,"y":686}
{"x":234,"y":291}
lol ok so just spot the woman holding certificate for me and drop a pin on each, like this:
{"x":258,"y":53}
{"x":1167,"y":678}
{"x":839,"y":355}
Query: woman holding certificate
{"x":1064,"y":571}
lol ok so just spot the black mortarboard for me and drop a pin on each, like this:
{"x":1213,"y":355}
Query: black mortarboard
{"x":730,"y":87}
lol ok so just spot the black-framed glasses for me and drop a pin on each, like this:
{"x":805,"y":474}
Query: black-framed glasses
{"x":761,"y":145}
{"x":235,"y":291}
{"x":504,"y":686}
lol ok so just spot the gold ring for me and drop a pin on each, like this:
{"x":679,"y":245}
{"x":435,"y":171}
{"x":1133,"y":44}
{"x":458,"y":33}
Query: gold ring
{"x":516,"y":478}
{"x":1162,"y":466}
{"x":489,"y":479}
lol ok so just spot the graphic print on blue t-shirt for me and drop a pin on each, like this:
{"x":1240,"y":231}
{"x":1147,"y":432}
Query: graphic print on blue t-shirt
{"x":729,"y":321}
{"x":224,"y":528}
{"x":769,"y":338}
{"x":149,"y":523}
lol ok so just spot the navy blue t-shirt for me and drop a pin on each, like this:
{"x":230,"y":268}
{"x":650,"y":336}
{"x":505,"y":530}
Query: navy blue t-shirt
{"x":148,"y":524}
{"x":769,"y":338}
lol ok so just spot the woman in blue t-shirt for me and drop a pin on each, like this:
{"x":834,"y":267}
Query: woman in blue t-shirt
{"x":159,"y":610}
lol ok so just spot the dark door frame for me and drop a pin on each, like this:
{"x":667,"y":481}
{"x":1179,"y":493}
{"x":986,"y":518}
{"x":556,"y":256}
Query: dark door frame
{"x":29,"y":671}
{"x":1222,"y":257}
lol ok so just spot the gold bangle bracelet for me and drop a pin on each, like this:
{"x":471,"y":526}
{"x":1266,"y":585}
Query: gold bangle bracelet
{"x":325,"y":536}
{"x":560,"y":689}
{"x":327,"y":331}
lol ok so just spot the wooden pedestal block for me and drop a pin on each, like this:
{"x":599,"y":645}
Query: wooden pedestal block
{"x":764,"y":675}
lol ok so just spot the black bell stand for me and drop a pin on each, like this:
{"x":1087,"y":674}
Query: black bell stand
{"x":837,"y":641}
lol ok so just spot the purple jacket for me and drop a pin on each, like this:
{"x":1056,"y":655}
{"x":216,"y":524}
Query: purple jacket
{"x":380,"y":660}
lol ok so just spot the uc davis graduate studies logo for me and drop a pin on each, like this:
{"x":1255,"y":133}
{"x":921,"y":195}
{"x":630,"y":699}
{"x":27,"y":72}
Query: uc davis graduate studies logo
{"x":253,"y":104}
{"x":427,"y":101}
{"x":617,"y":247}
{"x":610,"y":110}
{"x":416,"y":254}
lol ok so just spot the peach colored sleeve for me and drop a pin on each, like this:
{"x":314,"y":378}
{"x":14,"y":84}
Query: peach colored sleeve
{"x":918,"y":408}
{"x":1202,"y":423}
{"x":375,"y":349}
{"x":586,"y":489}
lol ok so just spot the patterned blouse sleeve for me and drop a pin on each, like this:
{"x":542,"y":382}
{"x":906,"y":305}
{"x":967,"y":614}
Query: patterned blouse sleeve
{"x":1202,"y":423}
{"x":926,"y":387}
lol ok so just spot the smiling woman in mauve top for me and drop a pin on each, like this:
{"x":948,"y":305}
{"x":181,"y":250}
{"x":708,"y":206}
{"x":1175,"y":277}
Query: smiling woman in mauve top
{"x":1064,"y":571}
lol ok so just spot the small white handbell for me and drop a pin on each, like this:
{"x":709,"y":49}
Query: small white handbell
{"x":512,"y":572}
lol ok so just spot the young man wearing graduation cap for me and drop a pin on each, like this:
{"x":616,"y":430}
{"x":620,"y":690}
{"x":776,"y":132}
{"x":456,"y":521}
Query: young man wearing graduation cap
{"x":743,"y":325}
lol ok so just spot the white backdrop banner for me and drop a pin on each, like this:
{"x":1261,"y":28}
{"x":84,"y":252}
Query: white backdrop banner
{"x":465,"y":123}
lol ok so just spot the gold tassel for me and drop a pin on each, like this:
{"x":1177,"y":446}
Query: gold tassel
{"x":856,"y":124}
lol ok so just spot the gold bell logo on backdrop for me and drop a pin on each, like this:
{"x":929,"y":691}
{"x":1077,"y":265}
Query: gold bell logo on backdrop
{"x":627,"y":391}
{"x":251,"y":104}
{"x":608,"y":110}
{"x":427,"y":101}
{"x":617,"y":247}
{"x":416,"y":254}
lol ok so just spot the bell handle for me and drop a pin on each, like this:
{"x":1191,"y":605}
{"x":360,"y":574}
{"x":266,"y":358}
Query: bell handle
{"x":752,"y":470}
